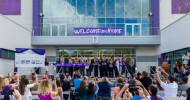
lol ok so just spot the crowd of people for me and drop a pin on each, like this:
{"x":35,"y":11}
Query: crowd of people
{"x":138,"y":86}
{"x":105,"y":66}
{"x":77,"y":84}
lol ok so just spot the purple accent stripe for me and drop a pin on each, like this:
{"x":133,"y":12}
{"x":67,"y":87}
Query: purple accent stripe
{"x":70,"y":64}
{"x":36,"y":17}
{"x":156,"y":17}
{"x":0,"y":52}
{"x":188,"y":49}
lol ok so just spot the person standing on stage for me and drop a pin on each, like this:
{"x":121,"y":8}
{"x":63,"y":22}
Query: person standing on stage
{"x":88,"y":67}
{"x":82,"y":67}
{"x":95,"y":66}
{"x":125,"y":64}
{"x":61,"y":68}
{"x":76,"y":61}
{"x":132,"y":66}
{"x":101,"y":67}
{"x":111,"y":65}
{"x":118,"y":67}
{"x":70,"y":67}
{"x":104,"y":66}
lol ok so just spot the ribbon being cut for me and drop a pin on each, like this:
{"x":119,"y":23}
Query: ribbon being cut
{"x":70,"y":64}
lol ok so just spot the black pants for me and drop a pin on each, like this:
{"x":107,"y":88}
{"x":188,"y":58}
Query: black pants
{"x":110,"y":71}
{"x":82,"y":72}
{"x":95,"y":70}
{"x":105,"y":70}
{"x":116,"y":71}
{"x":101,"y":71}
{"x":71,"y":71}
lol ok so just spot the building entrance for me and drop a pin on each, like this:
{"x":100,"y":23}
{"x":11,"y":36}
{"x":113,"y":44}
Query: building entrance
{"x":129,"y":52}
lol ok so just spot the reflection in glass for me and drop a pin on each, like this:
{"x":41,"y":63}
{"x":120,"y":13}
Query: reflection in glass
{"x":95,"y":13}
{"x":90,"y":8}
{"x":46,"y":30}
{"x":129,"y":30}
{"x":110,"y":8}
{"x":54,"y":30}
{"x":136,"y":30}
{"x":132,"y":8}
{"x":62,"y":30}
{"x":100,"y":8}
{"x":119,"y":8}
{"x":81,"y":6}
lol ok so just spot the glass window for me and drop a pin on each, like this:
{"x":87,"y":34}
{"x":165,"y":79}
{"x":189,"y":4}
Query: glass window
{"x":119,"y":5}
{"x":62,"y":30}
{"x":110,"y":20}
{"x":119,"y":20}
{"x":8,"y":54}
{"x":145,"y":8}
{"x":90,"y":8}
{"x":129,"y":30}
{"x":136,"y":30}
{"x":110,"y":25}
{"x":72,"y":2}
{"x":46,"y":30}
{"x":101,"y":25}
{"x":100,"y":8}
{"x":132,"y":9}
{"x":101,"y":20}
{"x":54,"y":30}
{"x":132,"y":20}
{"x":81,"y":6}
{"x":70,"y":29}
{"x":110,"y":8}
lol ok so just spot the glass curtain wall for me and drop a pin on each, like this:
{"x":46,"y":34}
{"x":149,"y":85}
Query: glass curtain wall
{"x":96,"y":52}
{"x":175,"y":55}
{"x":61,"y":16}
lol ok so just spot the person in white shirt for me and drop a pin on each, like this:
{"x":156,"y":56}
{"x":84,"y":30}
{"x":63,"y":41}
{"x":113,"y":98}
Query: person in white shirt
{"x":24,"y":87}
{"x":170,"y":87}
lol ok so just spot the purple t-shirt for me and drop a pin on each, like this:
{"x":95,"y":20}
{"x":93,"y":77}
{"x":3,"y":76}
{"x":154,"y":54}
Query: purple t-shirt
{"x":154,"y":97}
{"x":6,"y":89}
{"x":46,"y":97}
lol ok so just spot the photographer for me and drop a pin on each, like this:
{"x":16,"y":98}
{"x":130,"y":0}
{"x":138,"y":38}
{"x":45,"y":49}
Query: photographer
{"x":5,"y":85}
{"x":119,"y":86}
{"x":170,"y":88}
{"x":104,"y":91}
{"x":128,"y":90}
{"x":34,"y":78}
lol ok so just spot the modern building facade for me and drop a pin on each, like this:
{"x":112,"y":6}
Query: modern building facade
{"x":60,"y":27}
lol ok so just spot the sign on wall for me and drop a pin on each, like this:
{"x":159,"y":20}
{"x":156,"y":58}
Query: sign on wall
{"x":180,"y":6}
{"x":26,"y":57}
{"x":29,"y":60}
{"x":10,"y":7}
{"x":97,"y":31}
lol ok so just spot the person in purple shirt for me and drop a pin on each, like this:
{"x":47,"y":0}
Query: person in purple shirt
{"x":5,"y":86}
{"x":153,"y":93}
{"x":45,"y":90}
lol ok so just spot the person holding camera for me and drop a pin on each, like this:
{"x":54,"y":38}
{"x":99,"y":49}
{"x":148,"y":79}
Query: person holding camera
{"x":120,"y":84}
{"x":131,"y":92}
{"x":34,"y":78}
{"x":5,"y":87}
{"x":104,"y":91}
{"x":170,"y":87}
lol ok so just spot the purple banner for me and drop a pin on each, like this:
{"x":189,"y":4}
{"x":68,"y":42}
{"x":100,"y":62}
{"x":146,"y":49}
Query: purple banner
{"x":97,"y":31}
{"x":180,"y":6}
{"x":70,"y":64}
{"x":10,"y":7}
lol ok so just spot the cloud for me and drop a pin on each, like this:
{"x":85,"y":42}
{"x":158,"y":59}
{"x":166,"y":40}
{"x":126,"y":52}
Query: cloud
{"x":61,"y":11}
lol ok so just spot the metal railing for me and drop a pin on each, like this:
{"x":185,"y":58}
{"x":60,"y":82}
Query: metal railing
{"x":68,"y":30}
